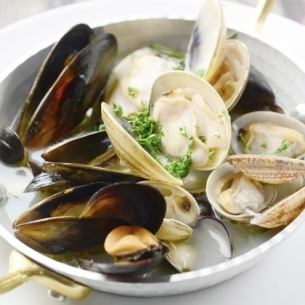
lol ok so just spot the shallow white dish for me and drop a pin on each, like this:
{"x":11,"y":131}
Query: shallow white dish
{"x":272,"y":64}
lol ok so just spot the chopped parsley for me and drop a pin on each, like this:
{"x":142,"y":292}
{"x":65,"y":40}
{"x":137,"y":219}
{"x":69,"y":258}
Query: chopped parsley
{"x":146,"y":130}
{"x":180,"y":65}
{"x":184,"y":133}
{"x":180,"y":168}
{"x":233,"y":35}
{"x":167,"y":51}
{"x":212,"y":154}
{"x":117,"y":109}
{"x":133,"y":92}
{"x":203,"y":139}
{"x":283,"y":147}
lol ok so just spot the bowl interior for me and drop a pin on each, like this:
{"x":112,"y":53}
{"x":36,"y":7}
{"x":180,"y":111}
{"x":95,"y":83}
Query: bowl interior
{"x":284,"y":77}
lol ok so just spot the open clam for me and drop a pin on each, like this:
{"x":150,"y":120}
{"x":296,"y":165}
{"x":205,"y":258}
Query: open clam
{"x":202,"y":137}
{"x":272,"y":203}
{"x":268,"y":133}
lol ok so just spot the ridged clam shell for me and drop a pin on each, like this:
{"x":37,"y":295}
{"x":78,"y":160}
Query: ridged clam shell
{"x":173,"y":230}
{"x":268,"y":169}
{"x":283,"y":212}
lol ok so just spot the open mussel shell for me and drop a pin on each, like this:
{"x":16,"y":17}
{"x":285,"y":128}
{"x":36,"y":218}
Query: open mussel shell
{"x":206,"y":48}
{"x":129,"y":150}
{"x":210,"y":233}
{"x":268,"y":133}
{"x":231,"y":78}
{"x":11,"y":148}
{"x":82,"y":174}
{"x":180,"y":204}
{"x":268,"y":169}
{"x":60,"y":235}
{"x":59,"y":57}
{"x":82,"y":80}
{"x":139,"y":267}
{"x":81,"y":149}
{"x":257,"y":96}
{"x":206,"y":113}
{"x":69,"y":221}
{"x":69,"y":202}
{"x":138,"y":205}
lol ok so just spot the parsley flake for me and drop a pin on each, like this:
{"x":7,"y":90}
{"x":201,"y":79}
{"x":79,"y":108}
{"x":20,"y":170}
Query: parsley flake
{"x":283,"y":147}
{"x":133,"y":92}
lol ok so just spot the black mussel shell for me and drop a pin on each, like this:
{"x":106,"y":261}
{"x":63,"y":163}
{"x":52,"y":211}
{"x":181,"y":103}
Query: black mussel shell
{"x":60,"y":204}
{"x":137,"y":204}
{"x":59,"y":57}
{"x":258,"y":95}
{"x":60,"y":235}
{"x":81,"y":149}
{"x":11,"y":148}
{"x":79,"y":85}
{"x":48,"y":182}
{"x":145,"y":263}
{"x":82,"y":174}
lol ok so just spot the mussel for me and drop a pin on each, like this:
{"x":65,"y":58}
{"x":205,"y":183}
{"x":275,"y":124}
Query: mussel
{"x":81,"y":217}
{"x":71,"y":91}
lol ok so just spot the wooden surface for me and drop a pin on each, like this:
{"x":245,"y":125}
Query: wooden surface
{"x":14,"y":10}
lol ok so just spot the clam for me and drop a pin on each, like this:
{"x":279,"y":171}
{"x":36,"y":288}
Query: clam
{"x":44,"y":118}
{"x":231,"y":78}
{"x":11,"y":148}
{"x":192,"y":254}
{"x":68,"y":221}
{"x":132,"y":79}
{"x":134,"y":249}
{"x":244,"y":198}
{"x":202,"y":135}
{"x":180,"y":204}
{"x":206,"y":47}
{"x":268,"y":133}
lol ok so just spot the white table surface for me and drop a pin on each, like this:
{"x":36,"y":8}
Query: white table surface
{"x":280,"y":278}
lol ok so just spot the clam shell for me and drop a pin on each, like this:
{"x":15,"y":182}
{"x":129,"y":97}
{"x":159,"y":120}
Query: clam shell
{"x":280,"y":119}
{"x":206,"y":47}
{"x":237,"y":61}
{"x":173,"y":230}
{"x":268,"y":169}
{"x":180,"y":204}
{"x":129,"y":150}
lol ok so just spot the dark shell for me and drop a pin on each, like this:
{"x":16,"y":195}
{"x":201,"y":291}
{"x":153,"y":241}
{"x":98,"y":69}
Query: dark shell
{"x":11,"y":148}
{"x":145,"y":263}
{"x":137,"y":204}
{"x":59,"y":235}
{"x":48,"y":182}
{"x":258,"y":95}
{"x":79,"y":85}
{"x":82,"y":174}
{"x":59,"y":57}
{"x":47,"y":207}
{"x":81,"y":149}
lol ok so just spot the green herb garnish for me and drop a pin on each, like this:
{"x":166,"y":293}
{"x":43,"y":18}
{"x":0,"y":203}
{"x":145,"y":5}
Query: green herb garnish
{"x":117,"y":109}
{"x":283,"y":147}
{"x":243,"y":141}
{"x":184,"y":133}
{"x":146,"y":130}
{"x":180,"y":168}
{"x":133,"y":92}
{"x":203,"y":139}
{"x":180,"y":65}
{"x":167,"y":51}
{"x":212,"y":154}
{"x":233,"y":35}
